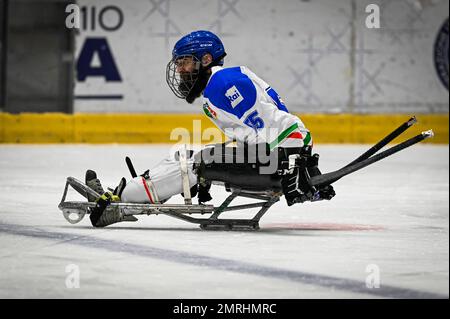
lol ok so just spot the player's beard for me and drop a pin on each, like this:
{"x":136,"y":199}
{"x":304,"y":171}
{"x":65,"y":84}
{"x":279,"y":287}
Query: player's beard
{"x":199,"y":85}
{"x":185,"y":86}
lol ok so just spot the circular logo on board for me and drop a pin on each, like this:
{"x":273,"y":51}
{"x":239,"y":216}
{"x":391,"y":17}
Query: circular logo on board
{"x":441,"y":54}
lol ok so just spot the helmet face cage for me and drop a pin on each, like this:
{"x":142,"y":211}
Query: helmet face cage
{"x":181,"y":83}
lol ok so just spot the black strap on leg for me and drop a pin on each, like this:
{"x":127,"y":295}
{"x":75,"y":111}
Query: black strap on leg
{"x":97,"y":211}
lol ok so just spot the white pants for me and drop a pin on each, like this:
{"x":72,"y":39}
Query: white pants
{"x":165,"y":181}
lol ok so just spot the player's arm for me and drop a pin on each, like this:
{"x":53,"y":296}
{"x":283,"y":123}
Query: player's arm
{"x":234,"y":103}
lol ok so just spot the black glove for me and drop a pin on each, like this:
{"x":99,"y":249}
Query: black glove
{"x":203,"y":193}
{"x":327,"y":192}
{"x":194,"y":191}
{"x":290,"y":184}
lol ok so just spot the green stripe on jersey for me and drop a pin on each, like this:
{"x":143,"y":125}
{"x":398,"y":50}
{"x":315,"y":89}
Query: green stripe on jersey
{"x":283,"y":135}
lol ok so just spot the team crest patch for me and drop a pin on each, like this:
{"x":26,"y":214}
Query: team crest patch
{"x":441,"y":54}
{"x":234,"y":96}
{"x":209,"y":111}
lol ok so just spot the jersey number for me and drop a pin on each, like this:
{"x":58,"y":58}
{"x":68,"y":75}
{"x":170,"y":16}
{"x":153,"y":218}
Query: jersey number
{"x":254,"y":121}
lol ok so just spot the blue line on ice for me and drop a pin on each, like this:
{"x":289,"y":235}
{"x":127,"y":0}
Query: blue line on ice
{"x":219,"y":263}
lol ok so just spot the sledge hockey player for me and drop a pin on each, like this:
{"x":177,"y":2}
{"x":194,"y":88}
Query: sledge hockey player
{"x":238,"y":102}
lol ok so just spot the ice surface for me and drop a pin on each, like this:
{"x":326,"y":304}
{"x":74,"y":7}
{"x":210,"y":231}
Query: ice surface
{"x":391,"y":217}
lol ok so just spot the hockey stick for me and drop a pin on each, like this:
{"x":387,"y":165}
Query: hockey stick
{"x":130,"y":167}
{"x":329,"y":178}
{"x":388,"y":138}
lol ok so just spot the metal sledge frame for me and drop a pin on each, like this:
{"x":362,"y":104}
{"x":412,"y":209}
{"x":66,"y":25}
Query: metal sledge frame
{"x":268,"y":197}
{"x":179,"y":211}
{"x":213,"y":222}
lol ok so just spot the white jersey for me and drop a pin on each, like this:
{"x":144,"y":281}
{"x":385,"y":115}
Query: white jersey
{"x":248,"y":110}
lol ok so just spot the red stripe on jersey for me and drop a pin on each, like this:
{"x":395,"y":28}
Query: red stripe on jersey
{"x":147,"y":190}
{"x":295,"y":135}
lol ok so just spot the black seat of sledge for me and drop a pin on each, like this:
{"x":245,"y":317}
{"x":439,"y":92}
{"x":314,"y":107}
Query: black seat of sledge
{"x":249,"y":168}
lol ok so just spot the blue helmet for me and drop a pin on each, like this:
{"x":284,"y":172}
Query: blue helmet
{"x":198,"y":43}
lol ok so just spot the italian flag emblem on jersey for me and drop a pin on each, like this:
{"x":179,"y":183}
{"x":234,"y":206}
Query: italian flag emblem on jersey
{"x":209,"y":112}
{"x":290,"y":135}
